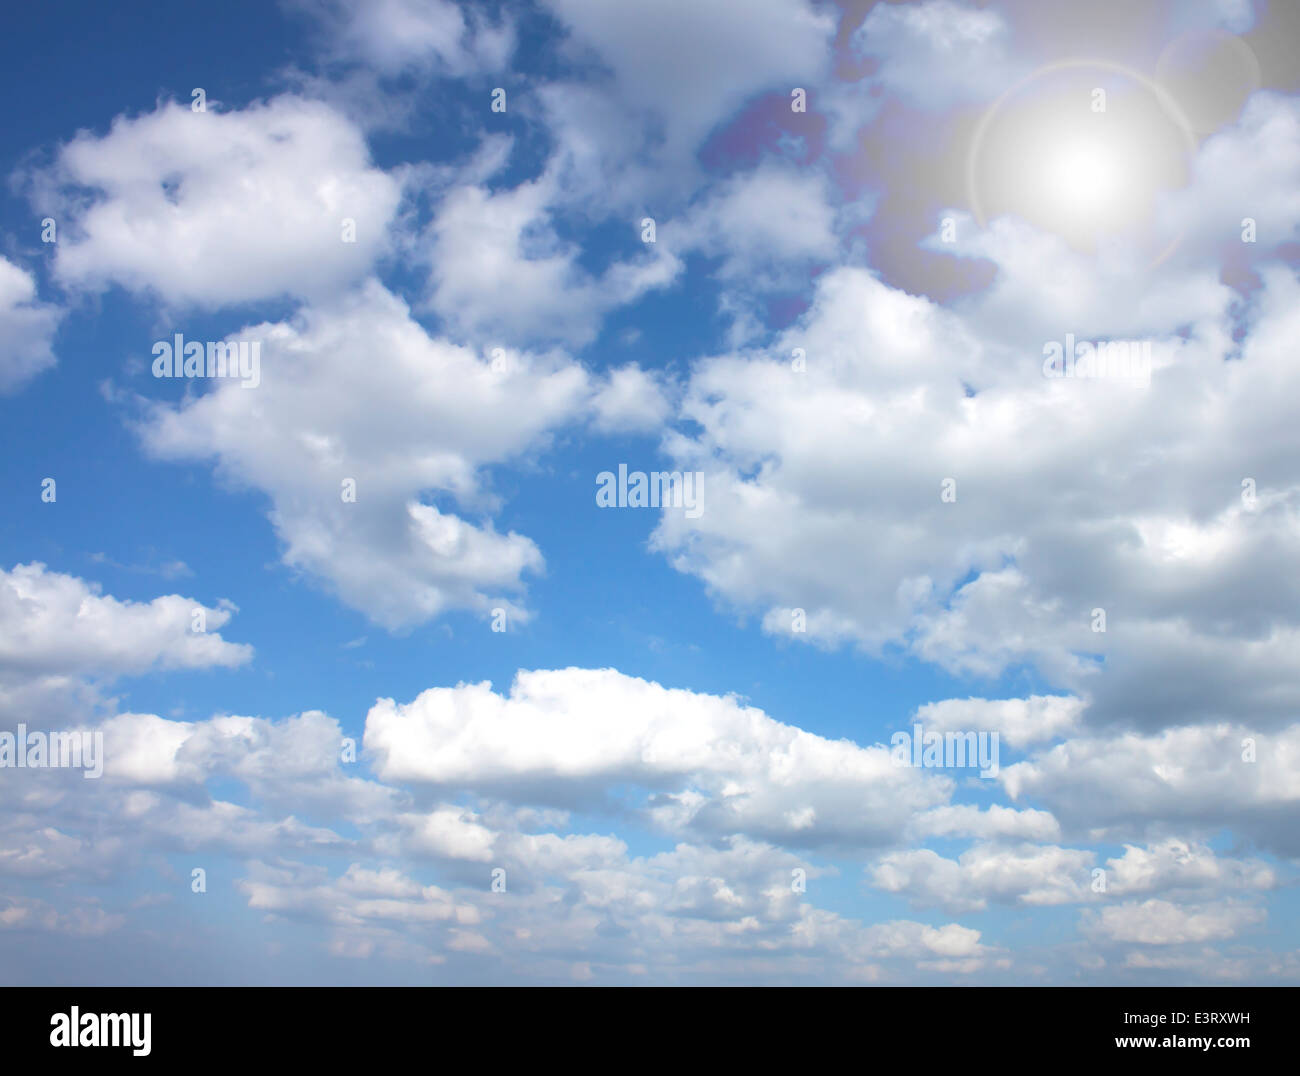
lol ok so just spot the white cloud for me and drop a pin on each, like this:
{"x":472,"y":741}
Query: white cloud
{"x":693,"y":914}
{"x":1267,"y":135}
{"x":51,"y":623}
{"x":1026,"y":874}
{"x":451,"y":832}
{"x":967,"y":820}
{"x":83,"y":921}
{"x":1041,"y":874}
{"x":1016,"y":721}
{"x":360,"y":391}
{"x":1193,"y":776}
{"x":1158,"y":922}
{"x":1183,"y":865}
{"x":765,"y":224}
{"x":359,"y":895}
{"x":691,"y":63}
{"x":714,"y":765}
{"x":394,"y":36}
{"x":632,"y":400}
{"x":825,"y":485}
{"x":717,"y":910}
{"x":500,"y":273}
{"x":26,"y":328}
{"x":153,"y":796}
{"x":213,"y":208}
{"x":823,"y":497}
{"x":938,"y":53}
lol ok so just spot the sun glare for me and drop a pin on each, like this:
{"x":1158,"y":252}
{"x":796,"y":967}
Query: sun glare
{"x":1083,"y":176}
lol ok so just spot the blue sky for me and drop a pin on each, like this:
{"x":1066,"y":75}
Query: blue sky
{"x":843,"y":308}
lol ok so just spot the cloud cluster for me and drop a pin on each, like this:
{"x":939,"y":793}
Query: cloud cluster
{"x":891,"y":471}
{"x":918,"y":482}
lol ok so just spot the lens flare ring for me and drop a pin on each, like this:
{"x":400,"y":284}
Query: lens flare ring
{"x":1086,"y":172}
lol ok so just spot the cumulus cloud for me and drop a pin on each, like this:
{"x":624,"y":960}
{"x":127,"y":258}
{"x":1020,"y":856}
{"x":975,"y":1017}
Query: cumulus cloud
{"x":51,"y":623}
{"x":967,"y":820}
{"x":1207,"y":776}
{"x":690,"y":914}
{"x":938,"y":53}
{"x":700,"y":911}
{"x":1016,"y":721}
{"x":713,"y":764}
{"x":26,"y":328}
{"x":1043,"y":874}
{"x":933,"y":431}
{"x":1158,"y":922}
{"x":393,"y":36}
{"x":690,"y":64}
{"x":154,"y":796}
{"x":211,"y":208}
{"x":641,"y":831}
{"x":1175,"y":864}
{"x":501,"y":274}
{"x":632,"y":400}
{"x":1026,"y":874}
{"x":359,"y":392}
{"x":82,"y":921}
{"x":764,"y":225}
{"x":1267,"y":134}
{"x":696,"y":912}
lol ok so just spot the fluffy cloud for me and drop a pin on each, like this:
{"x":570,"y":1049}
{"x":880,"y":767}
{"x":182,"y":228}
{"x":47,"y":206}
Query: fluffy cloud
{"x":697,"y":912}
{"x":631,"y":401}
{"x":500,"y":273}
{"x":393,"y":36}
{"x":764,"y":225}
{"x":824,"y":485}
{"x":690,"y":63}
{"x":693,"y":914}
{"x":967,"y":820}
{"x":824,"y":499}
{"x":26,"y":328}
{"x":213,"y":208}
{"x":52,"y":623}
{"x":713,"y":910}
{"x":1208,"y":776}
{"x":154,"y":797}
{"x":714,"y":765}
{"x":1158,"y":922}
{"x":1039,"y":875}
{"x":1175,"y":864}
{"x":359,"y":391}
{"x":83,"y":921}
{"x":1268,"y":136}
{"x":1027,"y":874}
{"x":1017,"y":721}
{"x":938,"y":53}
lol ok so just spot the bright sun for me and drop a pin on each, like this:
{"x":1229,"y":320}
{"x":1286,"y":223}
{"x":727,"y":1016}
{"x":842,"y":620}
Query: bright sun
{"x":1083,"y":149}
{"x":1083,"y":175}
